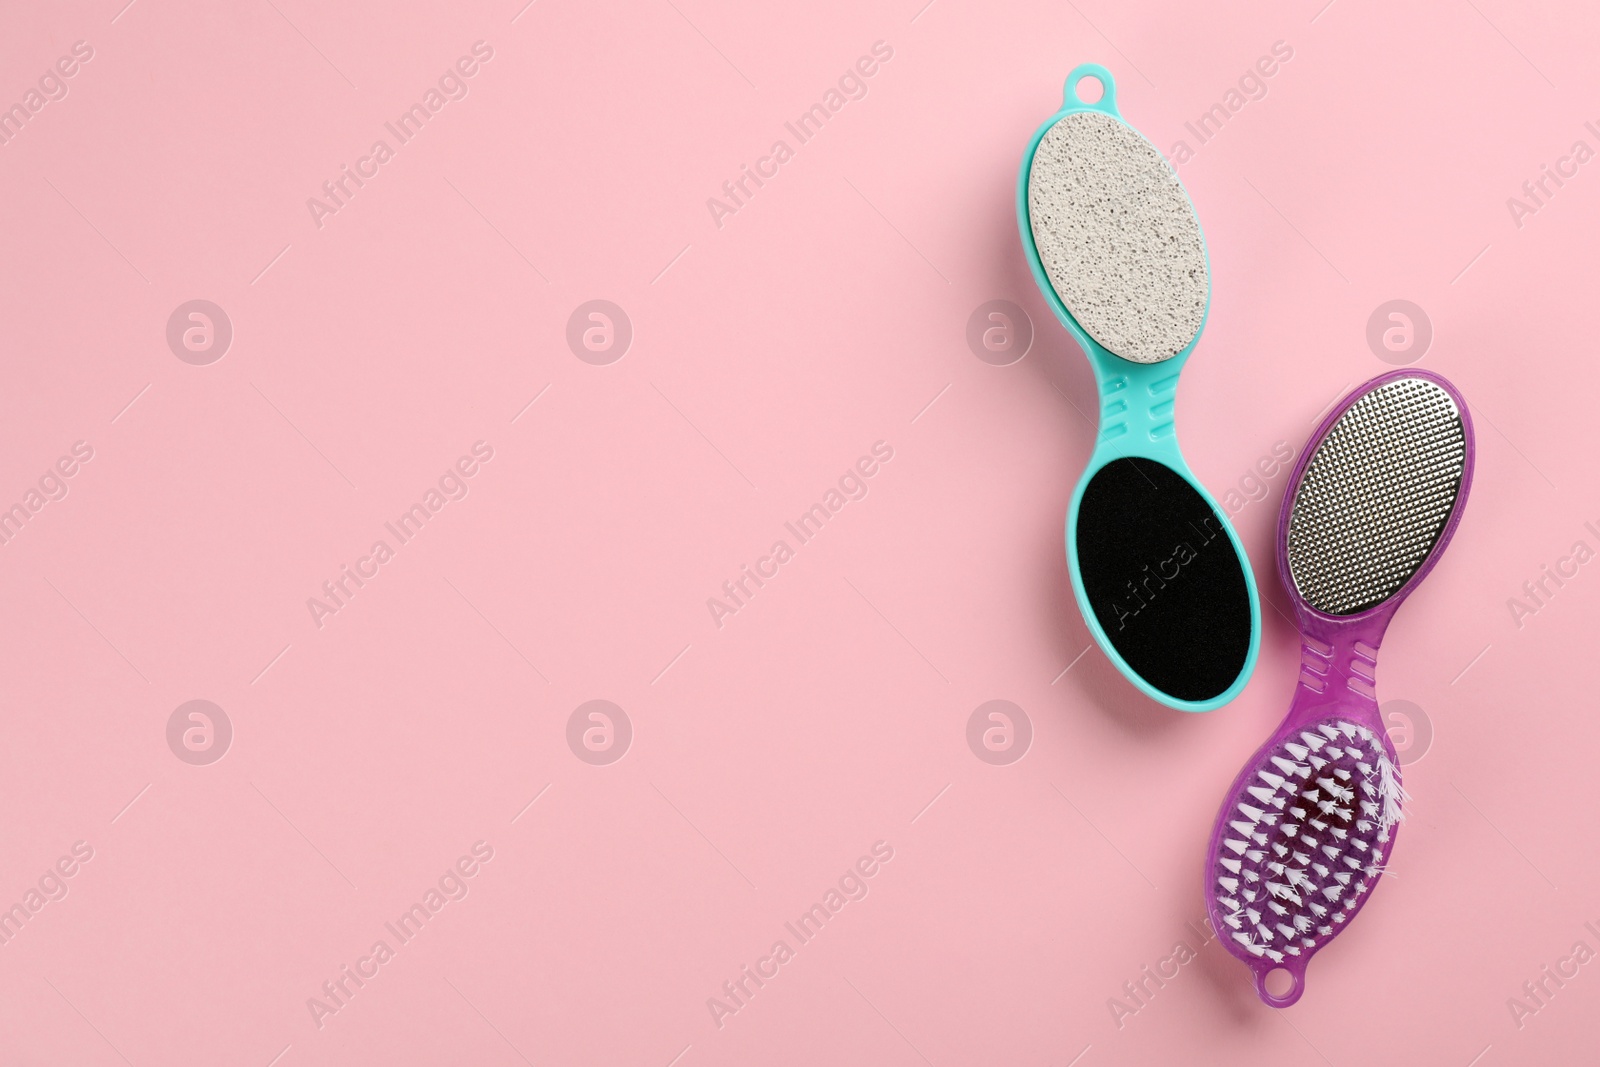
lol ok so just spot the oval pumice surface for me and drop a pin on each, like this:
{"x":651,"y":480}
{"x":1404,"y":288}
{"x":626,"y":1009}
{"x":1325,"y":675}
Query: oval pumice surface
{"x":1118,"y":237}
{"x":1376,"y":496}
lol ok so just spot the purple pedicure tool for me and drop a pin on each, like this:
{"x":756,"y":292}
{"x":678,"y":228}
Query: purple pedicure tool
{"x":1307,"y":827}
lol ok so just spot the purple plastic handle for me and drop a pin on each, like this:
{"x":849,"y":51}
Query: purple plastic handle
{"x":1339,"y":656}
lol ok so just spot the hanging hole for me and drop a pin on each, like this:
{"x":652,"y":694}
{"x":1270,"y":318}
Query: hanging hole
{"x":1090,"y":89}
{"x":1278,"y":982}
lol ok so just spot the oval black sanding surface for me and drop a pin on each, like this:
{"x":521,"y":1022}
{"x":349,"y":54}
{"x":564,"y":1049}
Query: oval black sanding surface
{"x":1163,"y":579}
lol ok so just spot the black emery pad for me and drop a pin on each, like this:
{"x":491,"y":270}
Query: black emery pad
{"x":1163,"y":579}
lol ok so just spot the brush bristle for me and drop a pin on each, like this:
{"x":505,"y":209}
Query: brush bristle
{"x":1306,"y":839}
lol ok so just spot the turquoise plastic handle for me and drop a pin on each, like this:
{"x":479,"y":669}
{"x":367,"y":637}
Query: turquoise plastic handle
{"x":1136,"y":410}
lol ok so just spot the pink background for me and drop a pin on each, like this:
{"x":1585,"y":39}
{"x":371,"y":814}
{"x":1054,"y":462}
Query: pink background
{"x":830,"y":713}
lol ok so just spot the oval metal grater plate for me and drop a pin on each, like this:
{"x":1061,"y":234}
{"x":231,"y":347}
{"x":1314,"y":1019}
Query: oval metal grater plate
{"x":1375,"y":496}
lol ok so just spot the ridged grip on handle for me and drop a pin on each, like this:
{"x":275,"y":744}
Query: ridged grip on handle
{"x":1338,"y":666}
